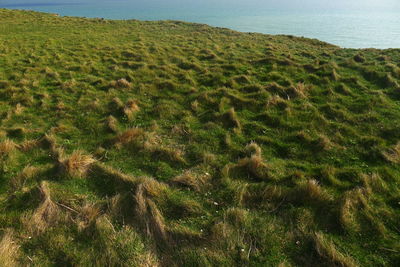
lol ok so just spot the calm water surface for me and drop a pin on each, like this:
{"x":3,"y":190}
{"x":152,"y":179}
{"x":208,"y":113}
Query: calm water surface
{"x":351,"y":27}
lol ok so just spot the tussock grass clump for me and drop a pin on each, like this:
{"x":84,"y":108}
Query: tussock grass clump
{"x":343,"y":89}
{"x":311,"y":192}
{"x":9,"y":250}
{"x":116,"y":104}
{"x":112,"y":124}
{"x":46,"y":215}
{"x":118,"y":245}
{"x":121,"y":84}
{"x":69,"y":85}
{"x":232,"y":119}
{"x":131,"y":107}
{"x":28,"y":145}
{"x":348,"y":209}
{"x":153,"y":144}
{"x":253,"y":165}
{"x":327,"y":250}
{"x":277,"y":101}
{"x":147,"y":212}
{"x":192,"y":179}
{"x":127,"y":137}
{"x":299,"y":90}
{"x":179,"y":102}
{"x":88,"y":215}
{"x":393,"y":154}
{"x":77,"y":164}
{"x":335,"y":76}
{"x":6,"y":147}
{"x":374,"y":183}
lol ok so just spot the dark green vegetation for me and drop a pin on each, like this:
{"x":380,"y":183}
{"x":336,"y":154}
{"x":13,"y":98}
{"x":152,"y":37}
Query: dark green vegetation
{"x":129,"y":143}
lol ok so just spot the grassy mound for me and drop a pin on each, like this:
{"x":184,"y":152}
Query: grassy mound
{"x":130,"y":143}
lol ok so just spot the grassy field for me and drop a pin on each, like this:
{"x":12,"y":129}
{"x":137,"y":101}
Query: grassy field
{"x":132,"y":143}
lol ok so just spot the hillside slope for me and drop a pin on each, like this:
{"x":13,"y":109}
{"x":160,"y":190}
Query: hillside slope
{"x":130,"y":143}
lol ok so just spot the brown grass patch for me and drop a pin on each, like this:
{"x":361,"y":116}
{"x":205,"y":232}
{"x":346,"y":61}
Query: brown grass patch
{"x":77,"y":164}
{"x":192,"y":179}
{"x":254,"y":164}
{"x":121,"y":83}
{"x":116,"y":104}
{"x":9,"y":250}
{"x":6,"y":147}
{"x":19,"y":109}
{"x":28,"y":145}
{"x":46,"y":215}
{"x":88,"y":215}
{"x":327,"y":250}
{"x":153,"y":144}
{"x":373,"y":182}
{"x":311,"y":192}
{"x":147,"y":212}
{"x":127,"y":137}
{"x":130,"y":109}
{"x":352,"y":202}
{"x":299,"y":90}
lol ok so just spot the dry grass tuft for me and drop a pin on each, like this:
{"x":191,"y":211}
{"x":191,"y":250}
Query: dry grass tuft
{"x":77,"y":164}
{"x":324,"y":143}
{"x":127,"y":137}
{"x":393,"y":155}
{"x":112,"y":124}
{"x":130,"y":109}
{"x":373,"y":182}
{"x":311,"y":192}
{"x":28,"y":145}
{"x":116,"y":104}
{"x":192,"y":179}
{"x":147,"y":212}
{"x":19,"y":109}
{"x":299,"y":90}
{"x":327,"y":249}
{"x":121,"y":83}
{"x":88,"y":215}
{"x":353,"y":202}
{"x":46,"y":215}
{"x":254,"y":149}
{"x":9,"y":250}
{"x":277,"y":101}
{"x":153,"y":144}
{"x":6,"y":147}
{"x":254,"y":164}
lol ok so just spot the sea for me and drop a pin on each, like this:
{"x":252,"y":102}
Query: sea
{"x":360,"y":24}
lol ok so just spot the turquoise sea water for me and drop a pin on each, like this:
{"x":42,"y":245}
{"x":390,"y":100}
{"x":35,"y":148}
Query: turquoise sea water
{"x":352,"y":27}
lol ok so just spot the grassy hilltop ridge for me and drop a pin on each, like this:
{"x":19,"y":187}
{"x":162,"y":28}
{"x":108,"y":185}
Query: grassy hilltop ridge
{"x":132,"y":143}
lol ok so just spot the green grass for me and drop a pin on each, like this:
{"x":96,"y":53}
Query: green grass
{"x":132,"y":143}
